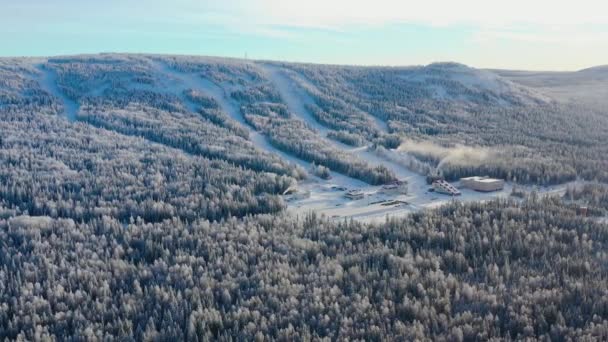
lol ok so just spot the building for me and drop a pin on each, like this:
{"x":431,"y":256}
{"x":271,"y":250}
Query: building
{"x":354,"y":194}
{"x":446,"y":188}
{"x":397,"y":187}
{"x":484,"y":184}
{"x":294,"y":194}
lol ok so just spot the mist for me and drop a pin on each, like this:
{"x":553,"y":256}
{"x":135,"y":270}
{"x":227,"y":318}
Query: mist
{"x":456,"y":155}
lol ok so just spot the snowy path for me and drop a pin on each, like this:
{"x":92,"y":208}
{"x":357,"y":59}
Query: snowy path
{"x":177,"y":82}
{"x":333,"y":204}
{"x":296,"y":101}
{"x":48,"y":82}
{"x":297,"y":98}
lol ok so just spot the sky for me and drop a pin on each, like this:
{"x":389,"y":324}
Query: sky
{"x":514,"y":34}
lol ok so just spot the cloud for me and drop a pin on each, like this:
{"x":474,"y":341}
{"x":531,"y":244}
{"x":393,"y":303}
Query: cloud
{"x":535,"y":34}
{"x":540,"y":21}
{"x":575,"y":36}
{"x":483,"y":13}
{"x":455,"y":155}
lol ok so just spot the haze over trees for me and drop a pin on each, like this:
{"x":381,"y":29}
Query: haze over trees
{"x":541,"y":141}
{"x":156,"y":214}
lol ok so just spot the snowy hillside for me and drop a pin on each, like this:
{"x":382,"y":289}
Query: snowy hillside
{"x":317,"y":127}
{"x":454,"y":81}
{"x":588,"y":86}
{"x":148,"y":197}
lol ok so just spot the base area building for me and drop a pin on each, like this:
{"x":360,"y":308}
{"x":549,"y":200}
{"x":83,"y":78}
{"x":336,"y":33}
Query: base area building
{"x":354,"y":194}
{"x":443,"y":187}
{"x":398,"y":187}
{"x":484,"y":184}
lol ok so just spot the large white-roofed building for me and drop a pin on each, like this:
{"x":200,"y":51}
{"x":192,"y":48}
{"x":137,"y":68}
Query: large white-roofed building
{"x":484,"y":184}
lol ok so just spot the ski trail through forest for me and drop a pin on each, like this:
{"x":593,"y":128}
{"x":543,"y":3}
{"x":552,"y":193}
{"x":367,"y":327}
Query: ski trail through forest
{"x":48,"y":82}
{"x":296,"y":100}
{"x":193,"y":81}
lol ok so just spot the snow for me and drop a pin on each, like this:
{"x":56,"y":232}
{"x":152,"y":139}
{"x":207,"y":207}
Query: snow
{"x":48,"y":82}
{"x":176,"y":82}
{"x":324,"y":197}
{"x":332,"y":203}
{"x":30,"y":222}
{"x":295,"y":99}
{"x":471,"y":78}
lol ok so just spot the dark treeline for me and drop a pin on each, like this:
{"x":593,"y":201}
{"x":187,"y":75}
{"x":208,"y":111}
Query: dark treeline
{"x":593,"y":195}
{"x":297,"y":138}
{"x":474,"y":272}
{"x":187,"y":132}
{"x":346,"y":138}
{"x":211,"y":111}
{"x":525,"y":171}
{"x":332,"y":107}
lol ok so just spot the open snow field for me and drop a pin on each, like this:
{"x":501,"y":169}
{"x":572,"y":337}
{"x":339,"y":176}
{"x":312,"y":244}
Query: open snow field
{"x":376,"y":206}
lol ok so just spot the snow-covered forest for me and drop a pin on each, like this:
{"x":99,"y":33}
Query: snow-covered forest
{"x":142,"y":198}
{"x":542,"y":141}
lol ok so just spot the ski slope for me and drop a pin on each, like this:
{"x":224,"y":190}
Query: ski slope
{"x":177,"y":82}
{"x":325,"y":199}
{"x":325,"y":196}
{"x":297,"y":99}
{"x":48,"y":82}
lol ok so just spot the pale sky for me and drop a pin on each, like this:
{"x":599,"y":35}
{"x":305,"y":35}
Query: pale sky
{"x":515,"y":34}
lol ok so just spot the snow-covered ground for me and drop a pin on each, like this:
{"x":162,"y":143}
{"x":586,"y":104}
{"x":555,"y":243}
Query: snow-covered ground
{"x":48,"y":82}
{"x":294,"y":98}
{"x":471,"y":78}
{"x":330,"y":202}
{"x":324,"y":198}
{"x":376,"y":206}
{"x":297,"y":99}
{"x":176,"y":82}
{"x":327,"y":196}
